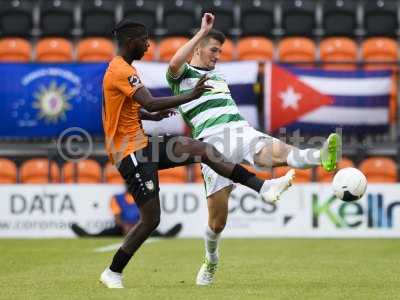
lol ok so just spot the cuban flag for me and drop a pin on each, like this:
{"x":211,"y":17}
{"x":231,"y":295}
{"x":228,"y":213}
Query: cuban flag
{"x":315,"y":100}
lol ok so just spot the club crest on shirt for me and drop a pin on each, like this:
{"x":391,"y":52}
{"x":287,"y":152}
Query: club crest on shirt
{"x":134,"y":80}
{"x":149,"y":185}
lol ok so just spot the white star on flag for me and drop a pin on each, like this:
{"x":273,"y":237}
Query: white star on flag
{"x":290,"y":98}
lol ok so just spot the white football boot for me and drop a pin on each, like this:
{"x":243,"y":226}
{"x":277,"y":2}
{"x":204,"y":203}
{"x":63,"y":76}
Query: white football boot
{"x":111,"y":279}
{"x":278,"y":187}
{"x":206,"y":273}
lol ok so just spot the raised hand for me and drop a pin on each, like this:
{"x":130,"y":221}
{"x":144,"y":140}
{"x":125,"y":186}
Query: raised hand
{"x":207,"y":22}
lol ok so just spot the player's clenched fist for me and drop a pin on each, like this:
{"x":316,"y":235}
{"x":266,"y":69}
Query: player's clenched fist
{"x":207,"y":22}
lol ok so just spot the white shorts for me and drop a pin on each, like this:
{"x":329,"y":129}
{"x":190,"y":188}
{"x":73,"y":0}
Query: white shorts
{"x":239,"y":145}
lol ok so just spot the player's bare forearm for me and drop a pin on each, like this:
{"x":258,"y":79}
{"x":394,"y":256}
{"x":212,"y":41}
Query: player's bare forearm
{"x":182,"y":55}
{"x":154,"y":104}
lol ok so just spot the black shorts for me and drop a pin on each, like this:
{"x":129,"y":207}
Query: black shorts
{"x":140,"y":168}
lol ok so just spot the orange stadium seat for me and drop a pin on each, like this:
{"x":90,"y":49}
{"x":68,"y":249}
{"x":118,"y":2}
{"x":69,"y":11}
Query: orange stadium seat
{"x":338,"y":49}
{"x":168,"y":46}
{"x":37,"y":171}
{"x":227,"y":51}
{"x":8,"y":171}
{"x":255,"y":48}
{"x":324,"y":176}
{"x":297,"y":49}
{"x":111,"y":174}
{"x":302,"y":175}
{"x":95,"y":49}
{"x":151,"y":52}
{"x":54,"y":50}
{"x":173,"y":175}
{"x":84,"y":171}
{"x":15,"y":50}
{"x":379,"y":169}
{"x":380,"y":49}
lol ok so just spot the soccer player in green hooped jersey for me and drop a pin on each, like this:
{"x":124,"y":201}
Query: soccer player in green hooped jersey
{"x":214,"y":117}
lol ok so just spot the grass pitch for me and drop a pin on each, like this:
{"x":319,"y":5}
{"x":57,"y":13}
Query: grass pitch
{"x":249,"y":269}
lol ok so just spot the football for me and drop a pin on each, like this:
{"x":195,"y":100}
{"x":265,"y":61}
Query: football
{"x":349,"y":184}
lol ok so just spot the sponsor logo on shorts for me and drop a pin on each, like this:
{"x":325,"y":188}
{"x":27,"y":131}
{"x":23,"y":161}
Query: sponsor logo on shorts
{"x":149,"y":185}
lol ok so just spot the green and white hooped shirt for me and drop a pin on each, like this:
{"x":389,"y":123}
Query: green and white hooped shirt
{"x":214,"y":110}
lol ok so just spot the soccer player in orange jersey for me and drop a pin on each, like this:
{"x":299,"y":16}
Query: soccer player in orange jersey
{"x":138,"y":157}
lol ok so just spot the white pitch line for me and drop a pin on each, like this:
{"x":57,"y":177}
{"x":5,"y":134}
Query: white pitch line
{"x":113,"y":247}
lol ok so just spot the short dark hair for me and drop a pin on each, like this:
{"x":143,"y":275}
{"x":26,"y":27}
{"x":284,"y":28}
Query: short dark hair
{"x":127,"y":28}
{"x":216,"y":35}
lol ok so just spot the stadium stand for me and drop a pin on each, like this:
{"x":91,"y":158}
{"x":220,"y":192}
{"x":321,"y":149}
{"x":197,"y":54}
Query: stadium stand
{"x":380,"y":52}
{"x":339,"y":18}
{"x":111,"y":174}
{"x":379,"y":169}
{"x":168,"y":46}
{"x":39,"y":170}
{"x":381,"y":18}
{"x":8,"y":171}
{"x":298,"y":17}
{"x":302,"y":176}
{"x":323,"y":176}
{"x":257,"y":18}
{"x":174,"y":175}
{"x":95,"y":49}
{"x":54,"y":50}
{"x":151,"y":53}
{"x":255,"y":48}
{"x":84,"y":171}
{"x":98,"y":17}
{"x":57,"y":18}
{"x":227,"y":51}
{"x":16,"y":18}
{"x":338,"y":53}
{"x":15,"y":50}
{"x":301,"y":50}
{"x":142,"y":11}
{"x":180,"y":17}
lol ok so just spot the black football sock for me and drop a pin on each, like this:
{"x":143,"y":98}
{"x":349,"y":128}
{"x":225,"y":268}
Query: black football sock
{"x":120,"y":260}
{"x":243,"y":176}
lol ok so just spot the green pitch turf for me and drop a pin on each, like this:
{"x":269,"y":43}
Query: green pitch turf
{"x":250,"y":269}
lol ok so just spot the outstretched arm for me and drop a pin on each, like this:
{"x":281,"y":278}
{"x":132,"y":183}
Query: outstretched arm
{"x":182,"y":55}
{"x":153,"y":104}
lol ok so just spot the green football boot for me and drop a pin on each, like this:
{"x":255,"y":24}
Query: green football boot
{"x":331,"y":152}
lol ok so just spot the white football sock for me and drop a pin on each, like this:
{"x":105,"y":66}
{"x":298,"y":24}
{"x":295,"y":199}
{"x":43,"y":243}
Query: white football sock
{"x":211,"y":243}
{"x":303,"y":159}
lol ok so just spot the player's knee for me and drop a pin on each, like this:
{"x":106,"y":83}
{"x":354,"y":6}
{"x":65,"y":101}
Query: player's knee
{"x":218,"y":225}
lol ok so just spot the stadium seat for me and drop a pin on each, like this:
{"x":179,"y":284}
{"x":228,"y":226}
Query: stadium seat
{"x":173,"y":175}
{"x":255,"y":48}
{"x":111,"y":174}
{"x":224,"y":11}
{"x":98,"y":17}
{"x":227,"y":51}
{"x":298,"y":17}
{"x":179,"y":17}
{"x":323,"y":176}
{"x":339,"y":17}
{"x":141,"y":11}
{"x":257,"y":18}
{"x":302,"y":175}
{"x":341,"y":51}
{"x":54,"y":50}
{"x":379,"y":169}
{"x":84,"y":171}
{"x":36,"y":170}
{"x":300,"y":50}
{"x":16,"y":18}
{"x":381,"y":18}
{"x":168,"y":46}
{"x":57,"y":17}
{"x":380,"y":49}
{"x":8,"y":171}
{"x":95,"y":49}
{"x":151,"y":52}
{"x":15,"y":50}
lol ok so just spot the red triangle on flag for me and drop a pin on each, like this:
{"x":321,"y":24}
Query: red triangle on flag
{"x":290,"y":98}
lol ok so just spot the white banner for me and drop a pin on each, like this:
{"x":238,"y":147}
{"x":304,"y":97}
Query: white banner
{"x":306,"y":210}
